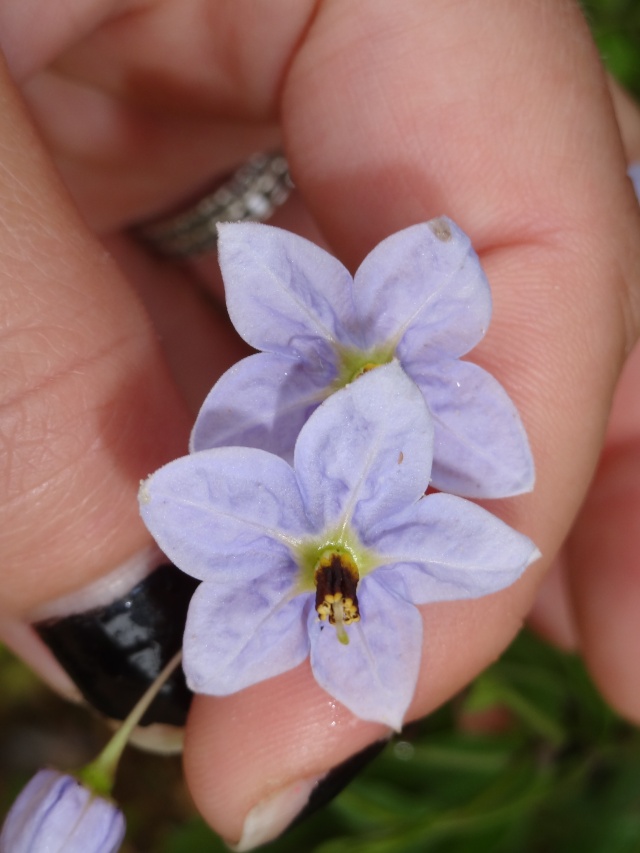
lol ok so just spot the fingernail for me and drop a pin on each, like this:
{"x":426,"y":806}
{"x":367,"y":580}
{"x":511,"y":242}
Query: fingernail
{"x":114,"y":638}
{"x":287,"y":808}
{"x":338,"y":778}
{"x":272,"y":816}
{"x":25,"y":644}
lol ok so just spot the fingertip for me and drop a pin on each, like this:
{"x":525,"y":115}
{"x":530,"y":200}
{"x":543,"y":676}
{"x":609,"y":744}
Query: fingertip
{"x":604,"y":562}
{"x":246,"y":750}
{"x":251,"y":755}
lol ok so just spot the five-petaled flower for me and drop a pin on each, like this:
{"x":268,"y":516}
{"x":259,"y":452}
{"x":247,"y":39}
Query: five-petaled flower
{"x":421,"y":297}
{"x":55,"y":812}
{"x":327,"y":558}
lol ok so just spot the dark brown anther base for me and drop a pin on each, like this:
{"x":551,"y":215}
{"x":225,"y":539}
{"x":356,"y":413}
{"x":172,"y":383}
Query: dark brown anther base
{"x":336,"y":578}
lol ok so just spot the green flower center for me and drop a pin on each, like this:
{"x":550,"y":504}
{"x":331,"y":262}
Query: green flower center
{"x":355,"y":363}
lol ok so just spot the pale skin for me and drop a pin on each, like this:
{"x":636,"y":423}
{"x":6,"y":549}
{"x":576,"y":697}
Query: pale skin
{"x":497,"y":114}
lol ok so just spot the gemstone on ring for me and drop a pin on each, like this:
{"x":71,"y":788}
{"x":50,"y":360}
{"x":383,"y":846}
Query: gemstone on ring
{"x":252,"y":193}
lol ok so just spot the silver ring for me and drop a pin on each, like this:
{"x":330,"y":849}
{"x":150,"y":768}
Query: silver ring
{"x":253,"y":193}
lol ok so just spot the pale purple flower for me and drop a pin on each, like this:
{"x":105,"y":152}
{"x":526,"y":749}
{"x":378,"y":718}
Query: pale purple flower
{"x":327,"y":558}
{"x":634,"y":174}
{"x":54,"y":813}
{"x":421,"y":296}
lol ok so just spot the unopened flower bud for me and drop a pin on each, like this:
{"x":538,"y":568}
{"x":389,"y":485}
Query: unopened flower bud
{"x":56,"y":813}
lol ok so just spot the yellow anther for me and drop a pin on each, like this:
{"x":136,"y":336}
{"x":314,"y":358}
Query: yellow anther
{"x":370,"y":365}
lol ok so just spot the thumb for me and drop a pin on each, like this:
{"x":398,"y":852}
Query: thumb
{"x":87,"y":406}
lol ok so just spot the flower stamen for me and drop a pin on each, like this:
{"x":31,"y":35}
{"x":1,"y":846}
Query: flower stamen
{"x":336,"y":577}
{"x":370,"y":365}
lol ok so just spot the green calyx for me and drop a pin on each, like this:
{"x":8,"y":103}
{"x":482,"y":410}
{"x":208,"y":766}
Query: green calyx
{"x":354,"y":363}
{"x":97,"y":778}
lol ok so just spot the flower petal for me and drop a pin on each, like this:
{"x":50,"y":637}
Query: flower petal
{"x":284,"y":294}
{"x":238,"y":635}
{"x":445,"y":547}
{"x":375,"y":675}
{"x":424,"y":286}
{"x":365,"y":451}
{"x":262,"y":401}
{"x":220,"y":508}
{"x":481,"y":447}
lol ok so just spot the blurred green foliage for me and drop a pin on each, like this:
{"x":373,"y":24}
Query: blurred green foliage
{"x":529,"y":759}
{"x":616,"y":28}
{"x":553,"y":769}
{"x":559,"y":772}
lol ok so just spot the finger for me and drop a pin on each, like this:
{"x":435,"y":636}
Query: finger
{"x":88,"y":409}
{"x":33,"y":33}
{"x":127,"y":164}
{"x":168,"y":109}
{"x":198,"y":341}
{"x":603,"y":566}
{"x":395,"y":117}
{"x":63,"y":307}
{"x":604,"y":548}
{"x":552,"y":614}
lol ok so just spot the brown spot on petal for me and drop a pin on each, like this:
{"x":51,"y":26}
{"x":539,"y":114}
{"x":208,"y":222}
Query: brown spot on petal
{"x":441,"y":229}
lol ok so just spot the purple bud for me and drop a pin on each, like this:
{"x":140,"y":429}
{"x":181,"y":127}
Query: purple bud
{"x":56,"y":813}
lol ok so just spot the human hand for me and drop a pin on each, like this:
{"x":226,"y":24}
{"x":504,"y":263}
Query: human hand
{"x":588,"y":601}
{"x":388,"y":115}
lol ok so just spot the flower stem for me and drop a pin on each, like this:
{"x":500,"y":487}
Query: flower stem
{"x":99,"y":775}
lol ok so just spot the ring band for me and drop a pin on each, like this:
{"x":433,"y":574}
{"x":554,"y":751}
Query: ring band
{"x":253,"y":193}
